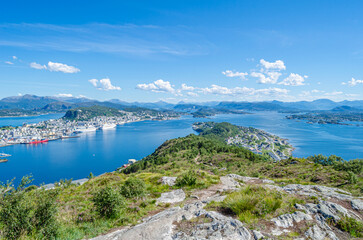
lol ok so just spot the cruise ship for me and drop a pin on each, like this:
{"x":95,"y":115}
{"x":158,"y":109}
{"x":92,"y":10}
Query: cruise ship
{"x":85,"y":129}
{"x":108,"y":126}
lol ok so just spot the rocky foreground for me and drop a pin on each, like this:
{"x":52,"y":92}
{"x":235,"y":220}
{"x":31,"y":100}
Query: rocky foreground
{"x":188,"y":217}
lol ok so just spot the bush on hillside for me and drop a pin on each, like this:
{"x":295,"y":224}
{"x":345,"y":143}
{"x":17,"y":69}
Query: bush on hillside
{"x":108,"y":202}
{"x":352,"y":226}
{"x":187,"y":179}
{"x":26,"y":212}
{"x":133,"y":187}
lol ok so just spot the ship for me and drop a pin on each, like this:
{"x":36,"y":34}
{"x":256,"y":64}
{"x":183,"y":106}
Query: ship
{"x":85,"y":129}
{"x":36,"y":141}
{"x":108,"y":126}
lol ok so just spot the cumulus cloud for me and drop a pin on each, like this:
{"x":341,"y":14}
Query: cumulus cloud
{"x":185,"y":87}
{"x":353,"y":82}
{"x":157,"y":86}
{"x":278,"y":64}
{"x":271,"y":77}
{"x":55,"y":67}
{"x":37,"y":66}
{"x":192,"y":94}
{"x":229,"y":73}
{"x":60,"y":67}
{"x":293,"y":80}
{"x":8,"y":62}
{"x":103,"y":84}
{"x":15,"y":57}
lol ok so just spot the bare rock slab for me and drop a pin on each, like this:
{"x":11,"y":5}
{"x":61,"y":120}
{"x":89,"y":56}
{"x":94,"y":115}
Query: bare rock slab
{"x":172,"y":197}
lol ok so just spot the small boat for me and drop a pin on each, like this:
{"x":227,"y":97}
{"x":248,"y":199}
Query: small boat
{"x":108,"y":126}
{"x":2,"y":155}
{"x":35,"y":141}
{"x":3,"y":160}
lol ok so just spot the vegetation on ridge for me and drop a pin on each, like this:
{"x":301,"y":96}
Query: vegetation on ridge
{"x":125,"y":196}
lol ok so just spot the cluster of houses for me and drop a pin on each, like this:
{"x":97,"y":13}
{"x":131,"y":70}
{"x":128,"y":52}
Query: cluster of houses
{"x":259,"y":142}
{"x":61,"y":128}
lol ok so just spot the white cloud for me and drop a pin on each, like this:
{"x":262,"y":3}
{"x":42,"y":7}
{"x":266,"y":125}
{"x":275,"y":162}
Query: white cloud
{"x":60,"y":67}
{"x":270,"y":79}
{"x":15,"y":57}
{"x":64,"y":95}
{"x":37,"y":66}
{"x":278,"y":64}
{"x":293,"y":80}
{"x":8,"y":62}
{"x":353,"y":82}
{"x":185,"y":87}
{"x":55,"y":67}
{"x":157,"y":86}
{"x":192,"y":94}
{"x":103,"y":84}
{"x":229,"y":73}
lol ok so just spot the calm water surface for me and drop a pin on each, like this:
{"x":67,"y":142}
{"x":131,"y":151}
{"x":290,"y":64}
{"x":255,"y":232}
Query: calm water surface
{"x":104,"y":151}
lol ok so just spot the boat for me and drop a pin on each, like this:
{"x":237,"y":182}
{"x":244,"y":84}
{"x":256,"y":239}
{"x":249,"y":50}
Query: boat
{"x":108,"y":126}
{"x":35,"y":141}
{"x":85,"y":129}
{"x":3,"y":160}
{"x":3,"y":155}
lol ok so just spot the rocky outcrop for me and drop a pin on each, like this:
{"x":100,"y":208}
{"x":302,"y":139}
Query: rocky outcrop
{"x":216,"y":226}
{"x":168,"y":180}
{"x":172,"y":197}
{"x":288,"y":220}
{"x":317,"y":233}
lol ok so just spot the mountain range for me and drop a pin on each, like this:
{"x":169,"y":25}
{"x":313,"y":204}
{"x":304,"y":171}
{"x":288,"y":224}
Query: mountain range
{"x":61,"y":104}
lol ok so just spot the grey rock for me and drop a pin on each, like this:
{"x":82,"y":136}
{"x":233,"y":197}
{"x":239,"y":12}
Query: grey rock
{"x":257,"y":235}
{"x":229,"y":183}
{"x":159,"y":226}
{"x":288,"y":220}
{"x":215,"y":198}
{"x":317,"y":233}
{"x":172,"y":197}
{"x":317,"y":190}
{"x":331,"y":210}
{"x":220,"y":227}
{"x":168,"y":180}
{"x":357,"y":204}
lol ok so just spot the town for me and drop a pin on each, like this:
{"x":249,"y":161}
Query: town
{"x":253,"y":139}
{"x":259,"y":141}
{"x":62,"y":128}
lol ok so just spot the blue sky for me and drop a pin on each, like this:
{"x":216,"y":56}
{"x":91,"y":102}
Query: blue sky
{"x":183,"y":50}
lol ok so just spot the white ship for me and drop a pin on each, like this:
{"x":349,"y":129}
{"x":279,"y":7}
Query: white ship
{"x":108,"y":126}
{"x":85,"y":129}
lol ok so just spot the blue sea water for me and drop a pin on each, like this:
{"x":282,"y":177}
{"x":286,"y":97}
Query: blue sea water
{"x":104,"y":151}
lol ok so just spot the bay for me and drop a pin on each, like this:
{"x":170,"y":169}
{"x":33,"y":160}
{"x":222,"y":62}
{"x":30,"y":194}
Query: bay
{"x":103,"y":151}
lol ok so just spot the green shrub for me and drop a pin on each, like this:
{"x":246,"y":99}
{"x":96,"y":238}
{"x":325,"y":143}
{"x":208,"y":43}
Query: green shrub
{"x":187,"y":179}
{"x":108,"y":201}
{"x":252,"y":202}
{"x":350,"y":225}
{"x":15,"y":215}
{"x":25,"y":212}
{"x":133,"y":187}
{"x":352,"y":178}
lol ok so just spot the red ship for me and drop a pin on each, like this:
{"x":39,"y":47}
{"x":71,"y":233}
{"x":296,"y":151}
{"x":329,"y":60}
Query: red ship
{"x":37,"y":141}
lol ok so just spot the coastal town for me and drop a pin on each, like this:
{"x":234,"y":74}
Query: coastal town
{"x":62,"y":128}
{"x":259,"y":141}
{"x":253,"y":139}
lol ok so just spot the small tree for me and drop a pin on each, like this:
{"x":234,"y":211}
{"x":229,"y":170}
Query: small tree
{"x":133,"y":187}
{"x":108,"y":202}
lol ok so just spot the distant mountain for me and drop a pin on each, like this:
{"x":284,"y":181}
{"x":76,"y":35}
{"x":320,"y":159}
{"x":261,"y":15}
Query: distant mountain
{"x":254,"y":106}
{"x":26,"y":102}
{"x":61,"y":104}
